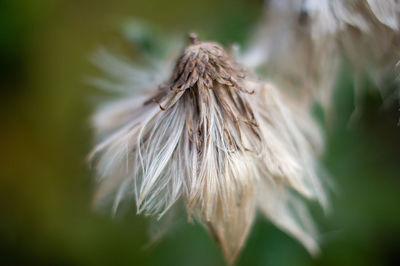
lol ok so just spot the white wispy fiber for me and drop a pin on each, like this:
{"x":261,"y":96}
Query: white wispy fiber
{"x":302,"y":41}
{"x":217,"y":141}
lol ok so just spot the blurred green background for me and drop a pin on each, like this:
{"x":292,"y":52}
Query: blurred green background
{"x":46,"y":187}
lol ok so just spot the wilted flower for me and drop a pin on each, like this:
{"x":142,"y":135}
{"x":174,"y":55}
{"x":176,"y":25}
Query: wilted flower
{"x":301,"y":42}
{"x":217,"y":140}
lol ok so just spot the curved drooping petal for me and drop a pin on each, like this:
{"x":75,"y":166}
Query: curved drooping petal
{"x":289,"y":166}
{"x":291,"y":143}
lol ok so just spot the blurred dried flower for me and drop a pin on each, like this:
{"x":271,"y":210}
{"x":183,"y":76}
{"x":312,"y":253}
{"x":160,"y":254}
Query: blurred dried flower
{"x":302,"y":41}
{"x":220,"y":142}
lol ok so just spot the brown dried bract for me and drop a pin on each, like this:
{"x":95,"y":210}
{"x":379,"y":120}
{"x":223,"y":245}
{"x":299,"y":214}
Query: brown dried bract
{"x":206,"y":73}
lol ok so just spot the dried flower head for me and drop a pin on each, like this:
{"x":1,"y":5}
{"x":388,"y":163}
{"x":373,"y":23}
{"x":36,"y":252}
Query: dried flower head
{"x":302,"y":41}
{"x":222,"y":144}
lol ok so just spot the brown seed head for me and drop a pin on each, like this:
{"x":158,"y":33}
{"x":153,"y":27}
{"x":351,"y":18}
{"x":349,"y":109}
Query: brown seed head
{"x":204,"y":63}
